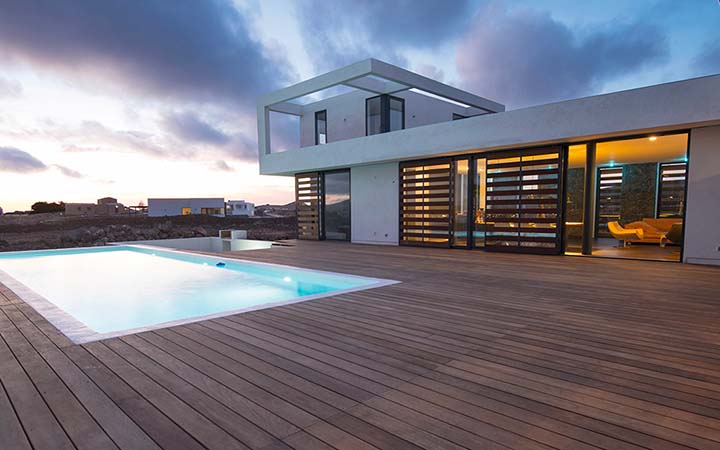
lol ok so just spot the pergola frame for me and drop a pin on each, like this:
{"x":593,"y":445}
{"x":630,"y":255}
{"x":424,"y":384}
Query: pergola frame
{"x":385,"y":79}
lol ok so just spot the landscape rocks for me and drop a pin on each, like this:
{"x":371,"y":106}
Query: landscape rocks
{"x":33,"y":232}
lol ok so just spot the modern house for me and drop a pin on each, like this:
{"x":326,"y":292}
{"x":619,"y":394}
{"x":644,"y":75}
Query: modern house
{"x":387,"y":156}
{"x":159,"y":207}
{"x":239,"y":208}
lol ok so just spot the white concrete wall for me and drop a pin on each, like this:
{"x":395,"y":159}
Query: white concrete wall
{"x":702,"y":217}
{"x":346,"y":114}
{"x":158,"y":207}
{"x":374,"y":204}
{"x":671,"y":106}
{"x":204,"y":244}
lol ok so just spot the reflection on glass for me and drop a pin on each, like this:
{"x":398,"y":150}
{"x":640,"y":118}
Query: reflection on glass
{"x":460,"y":221}
{"x":336,"y":213}
{"x":574,"y":198}
{"x":374,"y":115}
{"x":397,"y":107}
{"x":480,"y":190}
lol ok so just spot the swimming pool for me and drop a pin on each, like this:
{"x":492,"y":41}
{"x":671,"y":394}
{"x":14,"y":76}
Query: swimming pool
{"x":95,"y":293}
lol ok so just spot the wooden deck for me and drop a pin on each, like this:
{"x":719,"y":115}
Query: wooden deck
{"x":472,"y":350}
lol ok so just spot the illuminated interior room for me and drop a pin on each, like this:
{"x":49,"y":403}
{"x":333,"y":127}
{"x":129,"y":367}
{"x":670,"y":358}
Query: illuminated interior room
{"x":636,"y":197}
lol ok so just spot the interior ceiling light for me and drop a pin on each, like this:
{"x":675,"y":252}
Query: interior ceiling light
{"x":653,"y":138}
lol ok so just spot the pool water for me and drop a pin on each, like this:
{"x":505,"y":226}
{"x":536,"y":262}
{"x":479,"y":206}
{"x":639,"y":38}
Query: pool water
{"x":110,"y":289}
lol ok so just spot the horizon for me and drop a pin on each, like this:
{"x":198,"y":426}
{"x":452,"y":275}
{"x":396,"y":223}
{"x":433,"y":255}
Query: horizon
{"x":160,"y":101}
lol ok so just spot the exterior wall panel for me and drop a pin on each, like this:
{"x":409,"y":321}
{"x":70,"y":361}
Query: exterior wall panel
{"x":374,"y":204}
{"x":702,"y":217}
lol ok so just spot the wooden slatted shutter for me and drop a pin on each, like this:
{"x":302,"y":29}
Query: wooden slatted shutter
{"x":523,"y":208}
{"x":671,"y":190}
{"x":609,"y":198}
{"x":307,"y":202}
{"x":425,"y":194}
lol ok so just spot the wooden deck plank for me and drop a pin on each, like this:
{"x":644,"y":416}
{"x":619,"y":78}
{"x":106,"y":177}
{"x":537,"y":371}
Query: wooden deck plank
{"x":119,"y":427}
{"x":11,"y":429}
{"x":464,"y":353}
{"x":194,"y":423}
{"x":42,"y":428}
{"x":165,"y":432}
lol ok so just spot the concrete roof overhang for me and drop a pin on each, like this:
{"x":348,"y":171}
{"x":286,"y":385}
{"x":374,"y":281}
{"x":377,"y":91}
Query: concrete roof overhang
{"x":369,"y":75}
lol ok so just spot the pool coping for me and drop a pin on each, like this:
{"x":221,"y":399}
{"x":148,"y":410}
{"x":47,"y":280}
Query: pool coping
{"x":79,"y":333}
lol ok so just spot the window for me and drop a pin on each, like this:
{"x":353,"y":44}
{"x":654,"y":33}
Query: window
{"x":397,"y":113}
{"x":373,"y":122}
{"x":609,"y":198}
{"x":321,"y":127}
{"x":384,"y":113}
{"x":671,"y":190}
{"x":336,"y":205}
{"x":186,"y":211}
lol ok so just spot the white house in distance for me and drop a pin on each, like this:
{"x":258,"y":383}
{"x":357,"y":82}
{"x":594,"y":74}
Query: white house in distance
{"x":158,"y":207}
{"x":239,"y":208}
{"x":394,"y":157}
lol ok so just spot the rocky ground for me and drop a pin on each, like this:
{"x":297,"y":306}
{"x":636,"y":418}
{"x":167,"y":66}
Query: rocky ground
{"x":42,"y":231}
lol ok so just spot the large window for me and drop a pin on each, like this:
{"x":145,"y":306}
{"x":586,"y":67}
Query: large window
{"x":461,"y":207}
{"x":336,"y":205}
{"x":396,"y":114}
{"x":384,"y":113}
{"x":321,"y":127}
{"x":626,"y":198}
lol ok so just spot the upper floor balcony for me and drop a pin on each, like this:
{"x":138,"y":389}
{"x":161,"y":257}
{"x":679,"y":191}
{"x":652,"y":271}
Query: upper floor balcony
{"x":363,"y":99}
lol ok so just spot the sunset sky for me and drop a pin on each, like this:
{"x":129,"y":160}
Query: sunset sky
{"x":138,"y":99}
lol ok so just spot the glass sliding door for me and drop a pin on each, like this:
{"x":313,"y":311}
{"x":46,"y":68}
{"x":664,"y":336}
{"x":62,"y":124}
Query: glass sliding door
{"x":640,"y":197}
{"x":426,"y":202}
{"x":575,"y":198}
{"x":479,"y":198}
{"x":336,"y":205}
{"x":523,"y":201}
{"x":461,"y":185}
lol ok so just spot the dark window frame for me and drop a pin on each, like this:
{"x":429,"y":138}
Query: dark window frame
{"x":317,"y":134}
{"x":456,"y":116}
{"x":384,"y":112}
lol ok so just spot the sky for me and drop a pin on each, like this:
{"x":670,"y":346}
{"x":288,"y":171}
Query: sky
{"x":156,"y":98}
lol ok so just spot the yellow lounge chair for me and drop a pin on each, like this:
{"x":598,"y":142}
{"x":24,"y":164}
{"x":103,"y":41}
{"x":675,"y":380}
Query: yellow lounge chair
{"x":625,"y":234}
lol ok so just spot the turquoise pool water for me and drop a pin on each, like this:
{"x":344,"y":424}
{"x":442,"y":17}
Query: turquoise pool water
{"x":111,"y":289}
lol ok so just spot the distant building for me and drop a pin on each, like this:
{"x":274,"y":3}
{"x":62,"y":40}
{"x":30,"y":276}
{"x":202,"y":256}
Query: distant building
{"x":239,"y":208}
{"x":159,"y":207}
{"x":1,"y":211}
{"x":107,"y":201}
{"x":107,"y":206}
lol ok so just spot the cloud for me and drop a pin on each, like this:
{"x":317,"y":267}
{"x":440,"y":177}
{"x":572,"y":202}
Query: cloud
{"x":189,"y":127}
{"x":338,"y":33}
{"x":18,"y":161}
{"x":197,"y":51}
{"x":10,"y":88}
{"x":525,"y":57}
{"x":68,"y":172}
{"x":223,"y":166}
{"x":93,"y":136}
{"x":708,"y":60}
{"x":15,"y":160}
